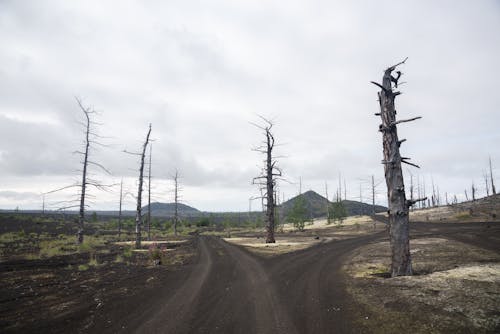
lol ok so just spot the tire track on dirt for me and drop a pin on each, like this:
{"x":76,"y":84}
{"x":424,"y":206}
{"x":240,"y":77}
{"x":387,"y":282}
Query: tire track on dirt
{"x":173,"y":315}
{"x":271,"y":316}
{"x":238,"y":297}
{"x":313,"y":287}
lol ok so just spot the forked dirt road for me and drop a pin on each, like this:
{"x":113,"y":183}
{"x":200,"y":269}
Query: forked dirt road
{"x":229,"y":290}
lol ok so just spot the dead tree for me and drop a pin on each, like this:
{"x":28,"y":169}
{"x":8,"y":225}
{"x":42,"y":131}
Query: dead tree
{"x":269,"y":177}
{"x":493,"y":190}
{"x":397,"y":202}
{"x":433,"y":197}
{"x":486,"y":184}
{"x":176,"y":200}
{"x":473,"y":190}
{"x":90,"y":140}
{"x":345,"y":191}
{"x":138,"y":216}
{"x":149,"y":191}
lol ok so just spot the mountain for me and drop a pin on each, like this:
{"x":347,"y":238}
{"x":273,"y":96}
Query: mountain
{"x":316,"y":205}
{"x":168,"y":210}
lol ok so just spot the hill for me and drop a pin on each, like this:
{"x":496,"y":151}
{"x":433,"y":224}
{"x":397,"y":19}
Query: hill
{"x":482,"y":209}
{"x":316,"y":205}
{"x":168,"y":210}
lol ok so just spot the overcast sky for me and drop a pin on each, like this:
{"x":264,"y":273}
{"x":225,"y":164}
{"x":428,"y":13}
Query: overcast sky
{"x":201,"y":71}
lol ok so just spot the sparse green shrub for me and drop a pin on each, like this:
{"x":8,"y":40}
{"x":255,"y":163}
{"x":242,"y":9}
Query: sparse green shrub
{"x":338,"y":212}
{"x":297,"y":215}
{"x":93,"y":260}
{"x":203,"y":222}
{"x":157,"y":253}
{"x":127,"y":252}
{"x":49,"y":248}
{"x":83,"y":267}
{"x":9,"y":237}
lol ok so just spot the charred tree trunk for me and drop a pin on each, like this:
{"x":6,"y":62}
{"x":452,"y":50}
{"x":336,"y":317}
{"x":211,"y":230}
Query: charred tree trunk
{"x":81,"y":213}
{"x":396,"y":198}
{"x":138,"y":216}
{"x":270,"y":189}
{"x":267,"y":181}
{"x":149,"y":191}
{"x":493,"y":190}
{"x":473,"y":191}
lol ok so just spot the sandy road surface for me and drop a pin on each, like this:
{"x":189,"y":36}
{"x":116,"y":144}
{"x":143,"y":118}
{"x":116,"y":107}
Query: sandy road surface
{"x":230,"y":290}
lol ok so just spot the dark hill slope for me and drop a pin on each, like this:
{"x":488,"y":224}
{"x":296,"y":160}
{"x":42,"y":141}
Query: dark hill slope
{"x":168,"y":210}
{"x":316,"y":205}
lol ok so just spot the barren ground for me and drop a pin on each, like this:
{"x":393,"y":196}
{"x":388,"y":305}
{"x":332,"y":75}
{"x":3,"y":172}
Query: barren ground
{"x":322,"y":280}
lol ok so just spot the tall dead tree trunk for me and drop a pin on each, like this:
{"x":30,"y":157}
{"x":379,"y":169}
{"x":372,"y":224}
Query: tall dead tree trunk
{"x":270,"y":188}
{"x":149,"y":191}
{"x":81,"y":213}
{"x":138,"y":216}
{"x":486,"y":184}
{"x":80,"y":202}
{"x":493,"y":190}
{"x":269,"y":178}
{"x":398,"y":205}
{"x":176,"y":201}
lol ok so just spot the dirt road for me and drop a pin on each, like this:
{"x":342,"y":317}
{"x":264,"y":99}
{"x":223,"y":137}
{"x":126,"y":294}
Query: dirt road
{"x":229,"y":290}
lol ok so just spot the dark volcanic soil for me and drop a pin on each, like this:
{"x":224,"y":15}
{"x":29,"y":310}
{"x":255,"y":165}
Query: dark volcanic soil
{"x":223,"y":289}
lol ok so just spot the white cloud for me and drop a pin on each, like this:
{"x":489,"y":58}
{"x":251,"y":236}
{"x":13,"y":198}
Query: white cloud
{"x":199,"y":72}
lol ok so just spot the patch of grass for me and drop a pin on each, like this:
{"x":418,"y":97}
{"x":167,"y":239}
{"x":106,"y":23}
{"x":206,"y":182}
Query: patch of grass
{"x":462,"y":215}
{"x":119,"y":259}
{"x":31,"y":256}
{"x":11,"y":236}
{"x":91,"y":243}
{"x":127,"y":252}
{"x":55,"y":247}
{"x":83,"y":267}
{"x":93,"y":260}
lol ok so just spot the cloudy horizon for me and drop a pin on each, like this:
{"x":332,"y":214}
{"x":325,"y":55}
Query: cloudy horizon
{"x":201,"y":73}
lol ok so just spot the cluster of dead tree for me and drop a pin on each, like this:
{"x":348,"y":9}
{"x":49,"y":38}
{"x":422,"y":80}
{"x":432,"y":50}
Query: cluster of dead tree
{"x":91,"y":140}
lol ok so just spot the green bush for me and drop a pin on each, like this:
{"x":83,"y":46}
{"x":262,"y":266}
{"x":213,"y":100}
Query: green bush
{"x":298,"y":213}
{"x":203,"y":222}
{"x":127,"y":252}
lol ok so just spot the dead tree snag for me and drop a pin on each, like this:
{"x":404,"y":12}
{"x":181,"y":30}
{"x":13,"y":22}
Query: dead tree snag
{"x":270,"y":174}
{"x":493,"y":190}
{"x":138,"y":216}
{"x":397,"y":203}
{"x":149,"y":191}
{"x":176,"y":200}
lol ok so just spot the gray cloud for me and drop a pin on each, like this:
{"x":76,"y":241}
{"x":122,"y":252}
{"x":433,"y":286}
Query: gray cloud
{"x":200,"y":72}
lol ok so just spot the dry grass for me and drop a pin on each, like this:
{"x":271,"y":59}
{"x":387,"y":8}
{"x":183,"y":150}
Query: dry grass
{"x":318,"y":224}
{"x":456,"y":287}
{"x":149,"y":243}
{"x":258,"y":245}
